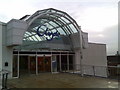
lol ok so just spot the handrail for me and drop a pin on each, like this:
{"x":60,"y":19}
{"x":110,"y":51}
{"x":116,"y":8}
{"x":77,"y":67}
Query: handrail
{"x":4,"y":71}
{"x":4,"y":76}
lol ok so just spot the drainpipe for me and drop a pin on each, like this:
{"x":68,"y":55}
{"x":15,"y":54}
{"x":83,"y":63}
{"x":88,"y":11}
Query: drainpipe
{"x":81,"y":55}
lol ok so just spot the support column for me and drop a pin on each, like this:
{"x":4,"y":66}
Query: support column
{"x":29,"y":64}
{"x":60,"y":61}
{"x":51,"y":64}
{"x":68,"y":62}
{"x":1,"y":56}
{"x":18,"y":65}
{"x":36,"y":64}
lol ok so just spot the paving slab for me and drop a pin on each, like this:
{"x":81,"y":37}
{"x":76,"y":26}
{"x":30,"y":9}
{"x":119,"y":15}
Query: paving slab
{"x":61,"y":80}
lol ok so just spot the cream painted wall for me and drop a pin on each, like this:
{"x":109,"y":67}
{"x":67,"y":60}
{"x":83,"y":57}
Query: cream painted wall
{"x":0,"y":45}
{"x":119,"y":27}
{"x":7,"y":52}
{"x":95,"y":55}
{"x":0,"y":53}
{"x":94,"y":60}
{"x":77,"y":59}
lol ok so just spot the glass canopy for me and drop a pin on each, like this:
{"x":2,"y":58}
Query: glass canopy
{"x":49,"y":22}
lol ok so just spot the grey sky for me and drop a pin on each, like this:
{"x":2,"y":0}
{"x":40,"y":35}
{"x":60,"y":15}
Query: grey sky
{"x":97,"y":17}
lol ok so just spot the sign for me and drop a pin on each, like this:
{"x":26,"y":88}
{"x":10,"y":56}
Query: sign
{"x":47,"y":33}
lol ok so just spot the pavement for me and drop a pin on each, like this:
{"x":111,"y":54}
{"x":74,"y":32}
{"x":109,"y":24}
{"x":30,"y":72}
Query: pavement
{"x":61,"y":80}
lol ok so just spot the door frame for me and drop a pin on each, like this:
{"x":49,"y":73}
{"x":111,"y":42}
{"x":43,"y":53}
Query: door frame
{"x":43,"y":55}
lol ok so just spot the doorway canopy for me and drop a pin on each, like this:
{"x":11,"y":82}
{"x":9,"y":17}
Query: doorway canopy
{"x":52,"y":20}
{"x":55,"y":20}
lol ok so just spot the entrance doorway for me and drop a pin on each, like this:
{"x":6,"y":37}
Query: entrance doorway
{"x":15,"y":66}
{"x":44,"y":64}
{"x":23,"y":65}
{"x":32,"y":64}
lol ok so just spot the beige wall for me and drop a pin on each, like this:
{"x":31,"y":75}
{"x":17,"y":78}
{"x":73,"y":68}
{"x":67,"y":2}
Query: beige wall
{"x":94,"y":60}
{"x":119,"y":27}
{"x":0,"y":53}
{"x":7,"y":52}
{"x":77,"y":59}
{"x":95,"y":55}
{"x":0,"y":45}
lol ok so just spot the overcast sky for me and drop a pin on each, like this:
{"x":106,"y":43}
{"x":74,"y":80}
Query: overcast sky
{"x":97,"y":17}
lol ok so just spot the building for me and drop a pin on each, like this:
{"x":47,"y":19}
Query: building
{"x":118,"y":27}
{"x":113,"y":60}
{"x":49,"y":41}
{"x":113,"y":65}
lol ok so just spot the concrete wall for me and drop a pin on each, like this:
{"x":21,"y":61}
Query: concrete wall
{"x":7,"y":53}
{"x":77,"y":59}
{"x":75,"y":40}
{"x":119,"y":27}
{"x":95,"y":60}
{"x":0,"y":46}
{"x":95,"y":54}
{"x":15,"y":32}
{"x":0,"y":53}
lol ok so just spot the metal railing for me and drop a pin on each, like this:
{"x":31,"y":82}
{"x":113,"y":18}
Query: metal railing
{"x":89,"y":70}
{"x":3,"y":79}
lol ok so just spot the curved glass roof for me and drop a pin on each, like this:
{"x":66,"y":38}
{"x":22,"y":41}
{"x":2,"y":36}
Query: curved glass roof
{"x":51,"y":20}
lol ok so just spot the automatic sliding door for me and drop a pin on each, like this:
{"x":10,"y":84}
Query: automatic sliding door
{"x":64,"y":62}
{"x":44,"y":64}
{"x":40,"y":64}
{"x":15,"y":66}
{"x":47,"y":62}
{"x":71,"y":65}
{"x":32,"y":64}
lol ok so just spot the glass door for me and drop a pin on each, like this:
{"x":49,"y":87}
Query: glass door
{"x":44,"y":64}
{"x":40,"y":64}
{"x":32,"y":64}
{"x":47,"y":63}
{"x":15,"y":66}
{"x":54,"y":63}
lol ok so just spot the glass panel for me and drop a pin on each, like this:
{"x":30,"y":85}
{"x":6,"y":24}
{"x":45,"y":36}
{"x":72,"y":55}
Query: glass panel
{"x":62,"y":20}
{"x":49,"y":25}
{"x":23,"y":65}
{"x":54,"y":24}
{"x":44,"y":64}
{"x":59,"y":12}
{"x":24,"y":39}
{"x":53,"y":11}
{"x":54,"y":63}
{"x":64,"y":62}
{"x":32,"y":64}
{"x":67,"y":21}
{"x":26,"y":35}
{"x":58,"y":62}
{"x":34,"y":38}
{"x":73,"y":28}
{"x":31,"y":39}
{"x":40,"y":64}
{"x":15,"y":65}
{"x":38,"y":37}
{"x":68,"y":18}
{"x":70,"y":62}
{"x":61,"y":31}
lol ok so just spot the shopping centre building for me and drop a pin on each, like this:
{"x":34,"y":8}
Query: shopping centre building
{"x":50,"y":40}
